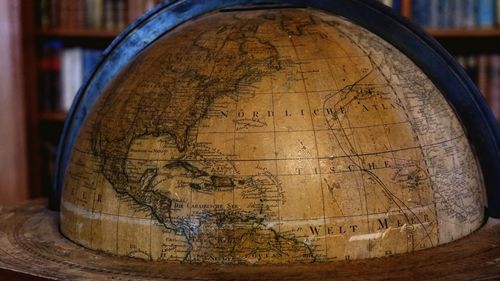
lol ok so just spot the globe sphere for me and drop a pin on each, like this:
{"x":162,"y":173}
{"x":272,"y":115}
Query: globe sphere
{"x":270,"y":136}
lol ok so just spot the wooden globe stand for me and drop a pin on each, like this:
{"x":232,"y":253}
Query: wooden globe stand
{"x":37,"y":250}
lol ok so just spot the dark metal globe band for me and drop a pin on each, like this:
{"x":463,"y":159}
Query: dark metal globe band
{"x":476,"y":117}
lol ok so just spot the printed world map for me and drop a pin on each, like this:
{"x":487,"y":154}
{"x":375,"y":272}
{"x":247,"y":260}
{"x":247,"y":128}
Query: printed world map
{"x":270,"y":136}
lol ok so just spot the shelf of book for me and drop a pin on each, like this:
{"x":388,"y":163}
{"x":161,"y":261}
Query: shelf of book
{"x":62,"y":37}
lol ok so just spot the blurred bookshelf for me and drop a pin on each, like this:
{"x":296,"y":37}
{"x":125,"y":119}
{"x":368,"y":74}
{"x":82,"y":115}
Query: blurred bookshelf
{"x":64,"y":38}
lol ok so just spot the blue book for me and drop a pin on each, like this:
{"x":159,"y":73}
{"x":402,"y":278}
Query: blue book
{"x":443,"y":13}
{"x":453,"y":19}
{"x":396,"y":5}
{"x":421,"y":12}
{"x":468,"y":13}
{"x":458,"y":20}
{"x":434,"y":13}
{"x":486,"y":13}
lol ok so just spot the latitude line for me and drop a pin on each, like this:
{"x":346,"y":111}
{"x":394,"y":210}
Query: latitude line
{"x":301,"y":130}
{"x":94,"y":191}
{"x":117,"y":224}
{"x":294,"y":158}
{"x":246,"y":92}
{"x":312,"y":174}
{"x":283,"y":220}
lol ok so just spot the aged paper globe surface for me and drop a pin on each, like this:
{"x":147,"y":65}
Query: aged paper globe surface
{"x":270,"y":136}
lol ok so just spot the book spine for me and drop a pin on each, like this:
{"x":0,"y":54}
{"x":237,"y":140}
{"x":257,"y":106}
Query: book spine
{"x":120,"y":14}
{"x":55,"y":13}
{"x":109,"y":22}
{"x":72,"y":75}
{"x":134,"y":10}
{"x":44,"y":65}
{"x":494,"y":93}
{"x":469,"y":13}
{"x":451,"y":11}
{"x":434,"y":13}
{"x":396,"y":5}
{"x":89,"y":14}
{"x":485,"y":13}
{"x":65,"y":77}
{"x":482,"y":75}
{"x":443,"y":13}
{"x":64,"y":13}
{"x":99,"y":13}
{"x":80,"y":13}
{"x":472,"y":68}
{"x":421,"y":12}
{"x":497,"y":12}
{"x":55,"y":74}
{"x":72,"y":16}
{"x":45,"y":8}
{"x":458,"y":20}
{"x":49,"y":67}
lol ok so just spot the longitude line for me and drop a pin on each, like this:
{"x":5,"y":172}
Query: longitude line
{"x":275,"y":150}
{"x":316,"y":145}
{"x":93,"y":210}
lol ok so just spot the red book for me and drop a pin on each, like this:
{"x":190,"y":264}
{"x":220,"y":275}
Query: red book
{"x":50,"y":66}
{"x":472,"y":68}
{"x":482,"y":75}
{"x":72,"y":14}
{"x":64,"y":10}
{"x":494,"y":93}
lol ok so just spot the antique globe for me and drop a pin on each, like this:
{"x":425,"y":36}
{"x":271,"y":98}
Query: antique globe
{"x":270,"y":136}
